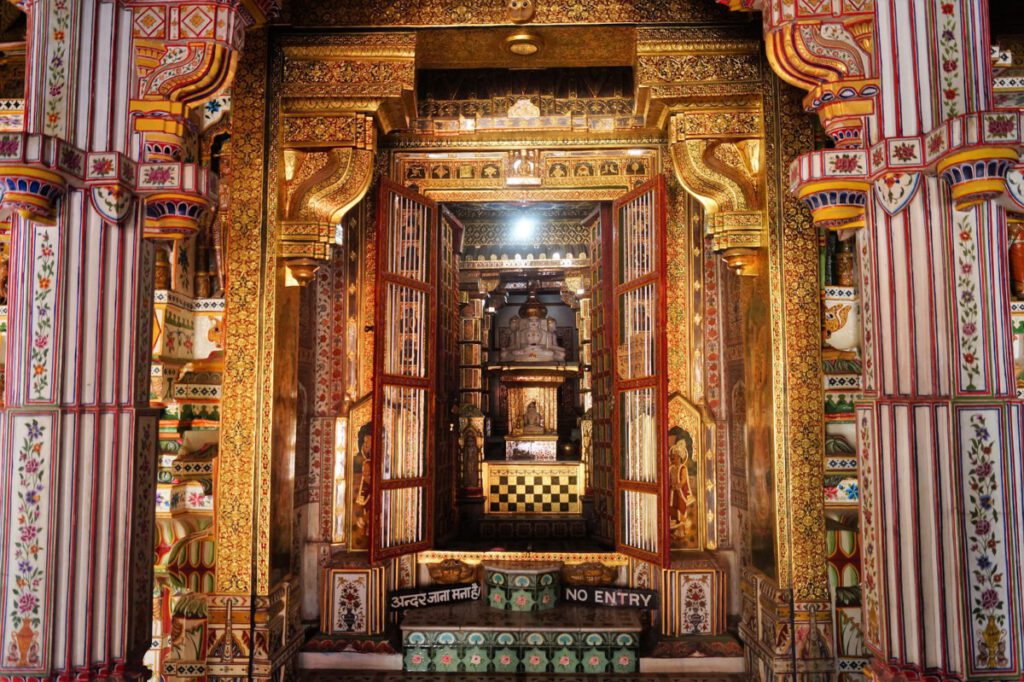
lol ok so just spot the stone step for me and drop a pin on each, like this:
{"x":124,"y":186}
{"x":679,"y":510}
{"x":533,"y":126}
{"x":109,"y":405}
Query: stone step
{"x":531,"y":528}
{"x":474,"y":638}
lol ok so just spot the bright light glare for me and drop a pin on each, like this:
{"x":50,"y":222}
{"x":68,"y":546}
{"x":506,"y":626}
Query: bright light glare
{"x":524,"y":228}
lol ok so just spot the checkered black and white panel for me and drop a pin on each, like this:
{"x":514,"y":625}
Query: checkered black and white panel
{"x":534,"y":494}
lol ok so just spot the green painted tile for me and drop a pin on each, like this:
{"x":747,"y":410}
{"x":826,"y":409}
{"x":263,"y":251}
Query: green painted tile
{"x":446,"y":660}
{"x":565,"y":661}
{"x":475,"y":660}
{"x":535,"y":661}
{"x":417,"y":659}
{"x":594,"y":661}
{"x":521,"y":600}
{"x":505,"y":661}
{"x":624,"y":661}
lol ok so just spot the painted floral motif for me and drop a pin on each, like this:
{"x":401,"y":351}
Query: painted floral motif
{"x":696,"y":603}
{"x":870,"y":581}
{"x":878,"y":156}
{"x":949,"y":58}
{"x":27,"y":571}
{"x":846,"y":163}
{"x":904,"y":152}
{"x":9,"y":145}
{"x":1001,"y":126}
{"x":867,"y":313}
{"x":988,"y":589}
{"x":56,"y":68}
{"x":350,"y":604}
{"x":70,"y":159}
{"x":895,"y":190}
{"x":157,"y":175}
{"x":102,"y":166}
{"x":968,"y":309}
{"x":42,"y":321}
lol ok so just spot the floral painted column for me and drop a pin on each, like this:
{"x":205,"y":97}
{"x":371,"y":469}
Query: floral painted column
{"x":939,"y":424}
{"x":940,"y":428}
{"x":76,"y":463}
{"x":77,"y":457}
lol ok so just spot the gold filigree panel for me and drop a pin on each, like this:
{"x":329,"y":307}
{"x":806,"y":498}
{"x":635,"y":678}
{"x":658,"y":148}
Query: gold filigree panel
{"x":244,"y":465}
{"x":796,"y":350}
{"x":372,"y":73}
{"x":468,"y":13}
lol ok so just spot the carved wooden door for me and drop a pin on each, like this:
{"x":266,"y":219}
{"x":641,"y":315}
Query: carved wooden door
{"x":640,"y":405}
{"x":405,"y":358}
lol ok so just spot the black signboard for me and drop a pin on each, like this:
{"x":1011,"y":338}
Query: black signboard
{"x":612,"y":596}
{"x":432,"y":596}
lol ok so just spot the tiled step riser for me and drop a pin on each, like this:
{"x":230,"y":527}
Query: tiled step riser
{"x":509,"y":652}
{"x":509,"y":590}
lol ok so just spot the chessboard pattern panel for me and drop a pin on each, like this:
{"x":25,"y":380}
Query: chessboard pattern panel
{"x":534,"y":488}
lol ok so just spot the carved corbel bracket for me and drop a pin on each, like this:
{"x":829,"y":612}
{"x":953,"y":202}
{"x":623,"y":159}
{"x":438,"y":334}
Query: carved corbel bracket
{"x":717,"y":156}
{"x":328,"y":168}
{"x":184,"y":55}
{"x":830,"y":56}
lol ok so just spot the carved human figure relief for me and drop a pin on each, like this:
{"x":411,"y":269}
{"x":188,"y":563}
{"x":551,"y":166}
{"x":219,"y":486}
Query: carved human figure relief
{"x":520,"y":11}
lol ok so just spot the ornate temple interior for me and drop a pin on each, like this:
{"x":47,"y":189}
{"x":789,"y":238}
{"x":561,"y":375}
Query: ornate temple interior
{"x":525,"y":377}
{"x":366,"y":338}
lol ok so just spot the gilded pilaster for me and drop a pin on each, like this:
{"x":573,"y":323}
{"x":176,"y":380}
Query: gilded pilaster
{"x":732,"y":131}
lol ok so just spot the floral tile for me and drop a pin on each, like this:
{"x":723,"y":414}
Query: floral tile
{"x":475,"y":660}
{"x":417,"y":659}
{"x":446,"y":660}
{"x":565,"y":661}
{"x":505,"y":661}
{"x":521,"y":600}
{"x":624,"y":661}
{"x":535,"y":661}
{"x":594,"y":661}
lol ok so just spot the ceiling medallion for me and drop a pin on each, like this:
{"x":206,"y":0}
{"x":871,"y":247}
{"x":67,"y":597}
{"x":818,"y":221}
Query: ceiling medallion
{"x":523,"y":44}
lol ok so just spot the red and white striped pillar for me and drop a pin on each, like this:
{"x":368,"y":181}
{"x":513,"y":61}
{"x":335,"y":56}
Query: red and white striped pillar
{"x":939,"y":427}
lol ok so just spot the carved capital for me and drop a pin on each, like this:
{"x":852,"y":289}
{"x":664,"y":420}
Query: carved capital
{"x":35,"y":171}
{"x":975,"y":153}
{"x":178,"y":196}
{"x":834,"y":185}
{"x":977,"y":174}
{"x":369,"y":73}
